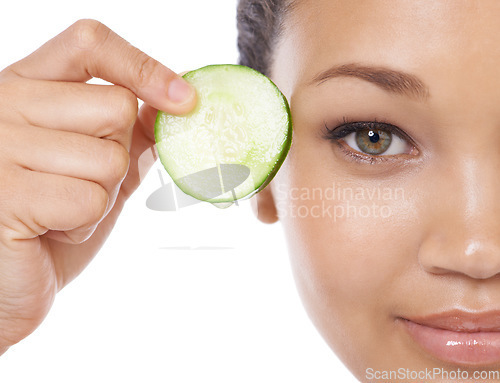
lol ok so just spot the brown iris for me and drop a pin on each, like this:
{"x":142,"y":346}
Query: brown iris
{"x":373,"y":141}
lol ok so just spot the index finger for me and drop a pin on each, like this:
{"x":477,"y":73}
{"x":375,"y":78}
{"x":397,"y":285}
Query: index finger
{"x":89,"y":49}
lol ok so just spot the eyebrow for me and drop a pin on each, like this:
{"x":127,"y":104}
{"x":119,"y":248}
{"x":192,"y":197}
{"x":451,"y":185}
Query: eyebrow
{"x":388,"y":79}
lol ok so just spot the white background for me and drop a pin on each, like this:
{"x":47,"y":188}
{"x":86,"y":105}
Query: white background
{"x":142,"y":312}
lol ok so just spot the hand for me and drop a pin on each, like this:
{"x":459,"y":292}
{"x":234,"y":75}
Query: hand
{"x":69,"y":160}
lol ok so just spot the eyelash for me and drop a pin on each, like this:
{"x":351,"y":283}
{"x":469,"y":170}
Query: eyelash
{"x":339,"y":132}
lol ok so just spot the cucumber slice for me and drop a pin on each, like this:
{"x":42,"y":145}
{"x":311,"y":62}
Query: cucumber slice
{"x":234,"y":141}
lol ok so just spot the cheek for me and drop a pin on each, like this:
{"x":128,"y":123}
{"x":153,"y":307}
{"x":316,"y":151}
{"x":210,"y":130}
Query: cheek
{"x":350,"y":243}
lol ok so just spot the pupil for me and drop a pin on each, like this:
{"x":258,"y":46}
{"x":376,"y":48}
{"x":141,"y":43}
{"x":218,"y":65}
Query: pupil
{"x":374,"y":137}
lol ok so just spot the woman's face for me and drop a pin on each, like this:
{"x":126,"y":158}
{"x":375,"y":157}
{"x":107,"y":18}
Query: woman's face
{"x":394,"y":231}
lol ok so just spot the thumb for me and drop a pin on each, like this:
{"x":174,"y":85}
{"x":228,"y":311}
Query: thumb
{"x":88,"y":49}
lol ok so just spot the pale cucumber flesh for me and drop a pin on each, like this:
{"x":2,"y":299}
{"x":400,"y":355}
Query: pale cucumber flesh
{"x":234,"y":141}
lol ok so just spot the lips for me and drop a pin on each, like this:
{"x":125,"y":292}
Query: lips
{"x":458,"y":337}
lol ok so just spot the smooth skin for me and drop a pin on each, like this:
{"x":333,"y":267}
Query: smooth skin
{"x":440,"y":247}
{"x":69,"y":160}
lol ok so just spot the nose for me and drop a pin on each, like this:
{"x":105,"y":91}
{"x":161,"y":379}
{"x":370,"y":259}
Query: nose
{"x":477,"y":258}
{"x":462,"y":233}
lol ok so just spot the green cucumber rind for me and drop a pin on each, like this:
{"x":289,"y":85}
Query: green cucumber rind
{"x":284,"y":152}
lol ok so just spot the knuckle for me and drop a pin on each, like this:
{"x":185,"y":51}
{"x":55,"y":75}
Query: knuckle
{"x":97,"y":202}
{"x":118,"y":160}
{"x":122,"y":110}
{"x":128,"y":107}
{"x":146,"y":69}
{"x":86,"y":34}
{"x":90,"y":201}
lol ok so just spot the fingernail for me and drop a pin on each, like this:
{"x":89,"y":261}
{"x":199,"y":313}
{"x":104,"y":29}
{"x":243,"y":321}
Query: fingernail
{"x":179,"y":91}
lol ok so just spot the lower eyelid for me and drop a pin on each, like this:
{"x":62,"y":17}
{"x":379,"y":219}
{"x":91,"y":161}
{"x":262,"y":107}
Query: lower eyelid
{"x":355,"y":156}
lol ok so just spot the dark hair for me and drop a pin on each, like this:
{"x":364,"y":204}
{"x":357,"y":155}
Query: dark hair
{"x":260,"y":23}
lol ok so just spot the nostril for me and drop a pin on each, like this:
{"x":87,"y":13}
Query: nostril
{"x":482,"y":269}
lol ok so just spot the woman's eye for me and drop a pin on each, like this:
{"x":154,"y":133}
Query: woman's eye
{"x":376,"y":142}
{"x":372,"y":138}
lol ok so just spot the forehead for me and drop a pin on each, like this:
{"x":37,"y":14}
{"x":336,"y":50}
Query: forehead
{"x":460,"y":37}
